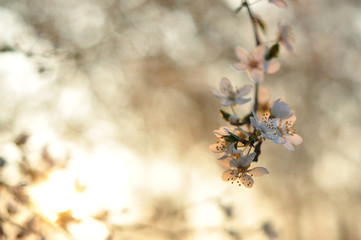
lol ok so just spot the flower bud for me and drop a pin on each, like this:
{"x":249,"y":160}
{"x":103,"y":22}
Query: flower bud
{"x":234,"y":119}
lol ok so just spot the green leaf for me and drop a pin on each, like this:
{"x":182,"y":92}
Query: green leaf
{"x":225,"y":115}
{"x":236,"y":137}
{"x":230,"y":138}
{"x":273,"y":52}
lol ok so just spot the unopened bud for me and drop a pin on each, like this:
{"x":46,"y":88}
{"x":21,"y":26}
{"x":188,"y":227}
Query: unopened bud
{"x":234,"y":119}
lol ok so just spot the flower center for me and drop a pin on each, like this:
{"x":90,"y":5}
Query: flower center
{"x":253,"y":64}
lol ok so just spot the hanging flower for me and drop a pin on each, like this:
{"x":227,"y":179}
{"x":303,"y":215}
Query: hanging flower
{"x":238,"y":170}
{"x":254,"y":63}
{"x":231,"y":97}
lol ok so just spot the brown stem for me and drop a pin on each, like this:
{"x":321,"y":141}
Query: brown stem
{"x":253,"y":21}
{"x":258,"y":42}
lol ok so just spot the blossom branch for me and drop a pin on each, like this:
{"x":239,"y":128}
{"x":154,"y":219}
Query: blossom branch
{"x":238,"y":147}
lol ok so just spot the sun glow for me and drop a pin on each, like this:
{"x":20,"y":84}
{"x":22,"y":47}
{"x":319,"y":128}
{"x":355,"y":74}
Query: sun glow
{"x":91,"y":183}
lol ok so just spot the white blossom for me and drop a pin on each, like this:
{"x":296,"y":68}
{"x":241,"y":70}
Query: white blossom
{"x":222,"y":146}
{"x":267,"y":127}
{"x":286,"y":131}
{"x":230,"y":96}
{"x":254,"y":63}
{"x":238,"y":170}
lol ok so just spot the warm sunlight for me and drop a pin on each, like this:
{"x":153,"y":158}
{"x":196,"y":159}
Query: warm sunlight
{"x":180,"y":120}
{"x":104,"y":184}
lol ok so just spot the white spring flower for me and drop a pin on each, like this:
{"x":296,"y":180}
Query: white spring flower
{"x":221,"y":146}
{"x":286,"y":131}
{"x":231,"y":97}
{"x":238,"y":170}
{"x":267,"y":127}
{"x":285,"y":128}
{"x":254,"y":63}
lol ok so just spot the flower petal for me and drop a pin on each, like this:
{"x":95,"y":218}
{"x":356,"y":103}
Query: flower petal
{"x":217,"y":95}
{"x":244,"y":90}
{"x":280,"y":109}
{"x":224,"y":156}
{"x":247,"y":180}
{"x":294,"y":139}
{"x":259,"y":52}
{"x":258,"y":171}
{"x":241,"y":101}
{"x":271,"y":66}
{"x":241,"y":54}
{"x":229,"y":175}
{"x":275,"y":138}
{"x":234,"y":163}
{"x":240,"y":66}
{"x":225,"y":163}
{"x":227,"y":102}
{"x":225,"y":86}
{"x":256,"y":75}
{"x":246,"y":161}
{"x":254,"y":122}
{"x":218,"y":147}
{"x":289,"y":146}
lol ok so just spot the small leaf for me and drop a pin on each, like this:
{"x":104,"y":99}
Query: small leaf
{"x":231,"y":138}
{"x":273,"y":52}
{"x":225,"y":115}
{"x":234,"y":136}
{"x":261,"y":23}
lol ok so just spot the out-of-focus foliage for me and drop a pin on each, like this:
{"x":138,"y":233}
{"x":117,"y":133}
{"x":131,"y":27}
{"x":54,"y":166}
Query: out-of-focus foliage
{"x":114,"y":98}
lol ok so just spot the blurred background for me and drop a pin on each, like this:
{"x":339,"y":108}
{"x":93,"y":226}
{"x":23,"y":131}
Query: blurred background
{"x":106,"y":118}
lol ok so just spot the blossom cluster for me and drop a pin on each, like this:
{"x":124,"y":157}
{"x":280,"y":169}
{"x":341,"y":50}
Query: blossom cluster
{"x":239,"y":146}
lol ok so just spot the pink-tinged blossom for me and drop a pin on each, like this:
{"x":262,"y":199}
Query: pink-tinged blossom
{"x":279,"y":3}
{"x":222,"y":146}
{"x":238,"y":170}
{"x":254,"y":63}
{"x":232,"y":96}
{"x":286,"y":130}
